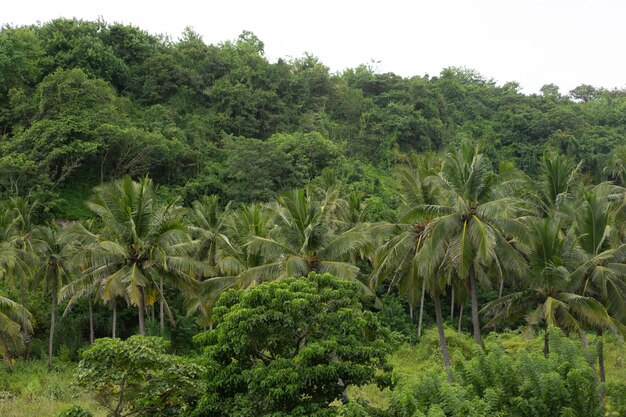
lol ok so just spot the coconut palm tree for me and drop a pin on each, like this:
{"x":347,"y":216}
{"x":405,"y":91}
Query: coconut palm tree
{"x":54,"y":269}
{"x":301,"y":240}
{"x":14,"y":320}
{"x":141,"y":244}
{"x":551,"y":297}
{"x":602,"y":274}
{"x":477,"y":218}
{"x":396,"y":259}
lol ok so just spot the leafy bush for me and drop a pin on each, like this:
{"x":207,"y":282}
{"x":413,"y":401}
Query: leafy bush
{"x":136,"y":377}
{"x":76,"y":411}
{"x":520,"y":385}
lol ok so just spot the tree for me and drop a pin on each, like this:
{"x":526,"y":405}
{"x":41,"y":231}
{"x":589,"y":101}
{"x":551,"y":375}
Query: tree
{"x":302,"y":240}
{"x":476,"y":222}
{"x":603,"y":271}
{"x":550,"y":297}
{"x":140,"y":245}
{"x":54,"y":269}
{"x":397,"y":258}
{"x":15,"y":320}
{"x":290,"y":348}
{"x":136,"y":377}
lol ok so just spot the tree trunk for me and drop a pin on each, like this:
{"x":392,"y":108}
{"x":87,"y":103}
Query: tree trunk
{"x":601,"y":357}
{"x":460,"y":317}
{"x":501,"y":289}
{"x":546,"y":343}
{"x":344,"y":392}
{"x":475,"y":317}
{"x":91,"y":335}
{"x":452,"y":306}
{"x":52,"y":323}
{"x":141,"y":307}
{"x":161,"y":311}
{"x":114,"y":324}
{"x":442,"y":337}
{"x":421,"y":314}
{"x":411,"y":311}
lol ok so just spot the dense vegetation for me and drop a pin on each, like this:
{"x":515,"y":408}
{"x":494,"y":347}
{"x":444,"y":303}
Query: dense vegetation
{"x":285,"y":230}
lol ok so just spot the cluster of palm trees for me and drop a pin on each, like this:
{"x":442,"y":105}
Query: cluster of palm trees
{"x":556,"y":243}
{"x":551,"y":246}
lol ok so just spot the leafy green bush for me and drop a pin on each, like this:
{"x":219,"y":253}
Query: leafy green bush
{"x":76,"y":411}
{"x":136,"y":377}
{"x":497,"y":384}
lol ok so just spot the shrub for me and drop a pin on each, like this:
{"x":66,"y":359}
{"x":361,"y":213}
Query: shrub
{"x":76,"y":411}
{"x":496,"y":384}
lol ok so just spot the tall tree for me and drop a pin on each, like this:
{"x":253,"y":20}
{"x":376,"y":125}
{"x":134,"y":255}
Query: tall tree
{"x":477,"y":218}
{"x":141,"y":244}
{"x":54,"y":269}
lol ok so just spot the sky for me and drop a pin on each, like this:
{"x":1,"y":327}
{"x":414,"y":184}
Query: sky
{"x":532,"y":42}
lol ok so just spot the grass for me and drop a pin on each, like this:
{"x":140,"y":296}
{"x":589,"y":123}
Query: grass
{"x":29,"y":390}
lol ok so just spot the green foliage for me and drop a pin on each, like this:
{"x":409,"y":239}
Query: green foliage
{"x":494,"y":383}
{"x":138,"y":377}
{"x":76,"y":411}
{"x":289,"y":348}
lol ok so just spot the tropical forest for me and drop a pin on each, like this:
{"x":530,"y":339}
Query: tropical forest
{"x":193,"y":229}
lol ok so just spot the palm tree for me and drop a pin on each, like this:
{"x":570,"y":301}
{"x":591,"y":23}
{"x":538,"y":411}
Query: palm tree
{"x":14,"y":320}
{"x":550,"y":297}
{"x":54,"y":269}
{"x":301,"y":240}
{"x":477,"y":218}
{"x":603,"y":271}
{"x":556,"y":187}
{"x":396,"y":259}
{"x":207,"y":223}
{"x":140,"y":244}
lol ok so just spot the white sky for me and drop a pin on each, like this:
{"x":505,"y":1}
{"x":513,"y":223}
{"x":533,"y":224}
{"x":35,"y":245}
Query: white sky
{"x":533,"y":42}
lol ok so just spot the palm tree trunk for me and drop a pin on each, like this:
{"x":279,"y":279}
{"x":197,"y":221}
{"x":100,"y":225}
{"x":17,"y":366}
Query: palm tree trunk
{"x":475,"y":317}
{"x":52,"y":323}
{"x":23,"y":300}
{"x":601,"y":357}
{"x":411,"y":311}
{"x":546,"y":343}
{"x":421,"y":314}
{"x":114,"y":324}
{"x":141,"y":307}
{"x":501,"y":289}
{"x":442,"y":337}
{"x":452,"y":305}
{"x":460,"y":317}
{"x":161,"y":311}
{"x":91,"y":335}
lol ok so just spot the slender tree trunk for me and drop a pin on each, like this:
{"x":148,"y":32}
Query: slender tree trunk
{"x":91,"y":333}
{"x":52,"y":323}
{"x":601,"y":357}
{"x":161,"y":311}
{"x":141,"y":307}
{"x":114,"y":324}
{"x":546,"y":343}
{"x":411,"y":311}
{"x":475,"y":316}
{"x":442,"y":337}
{"x":501,"y":289}
{"x":421,"y":313}
{"x":23,"y":300}
{"x":452,"y":306}
{"x":460,"y":317}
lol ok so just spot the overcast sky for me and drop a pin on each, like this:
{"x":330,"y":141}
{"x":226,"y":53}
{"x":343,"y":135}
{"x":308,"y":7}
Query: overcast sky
{"x":533,"y":42}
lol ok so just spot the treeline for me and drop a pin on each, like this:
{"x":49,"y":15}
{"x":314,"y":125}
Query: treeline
{"x":86,"y":102}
